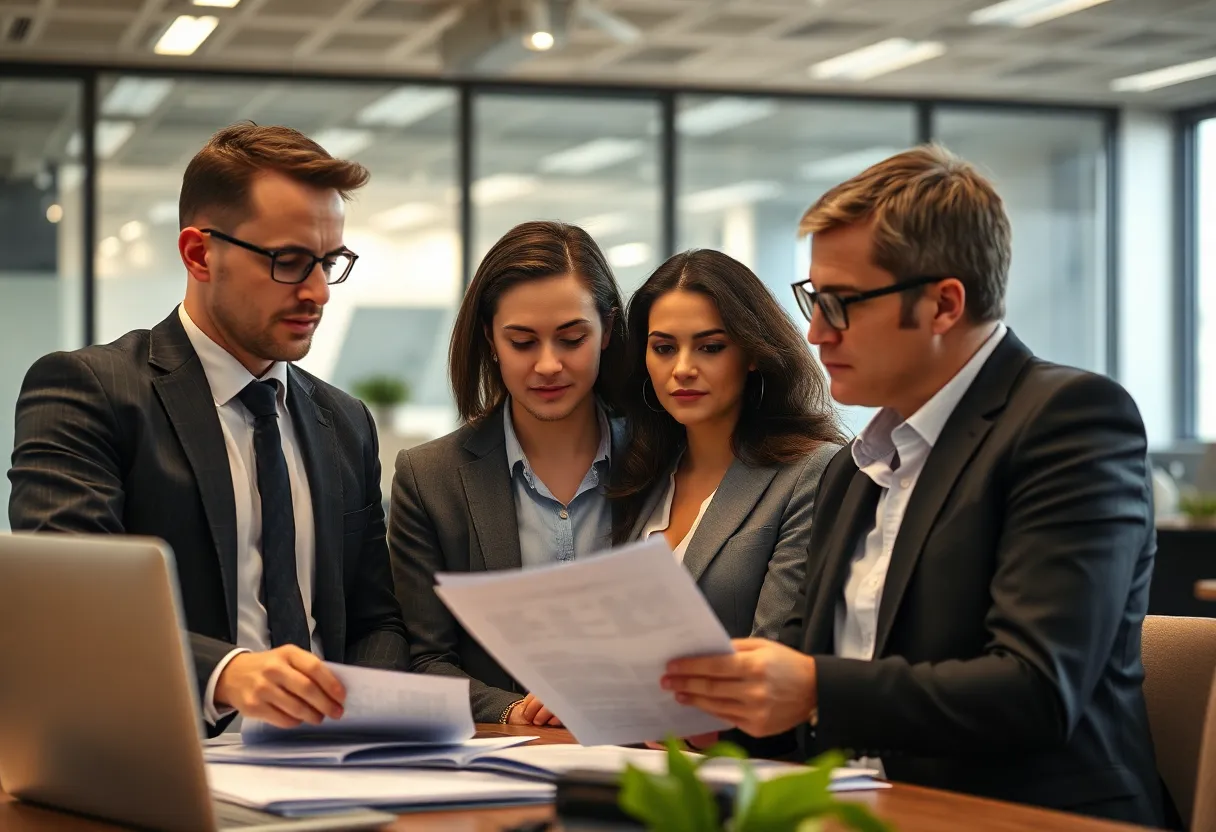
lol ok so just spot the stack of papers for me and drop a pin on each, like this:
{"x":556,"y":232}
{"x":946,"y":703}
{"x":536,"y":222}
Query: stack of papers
{"x":304,"y":791}
{"x":500,"y":776}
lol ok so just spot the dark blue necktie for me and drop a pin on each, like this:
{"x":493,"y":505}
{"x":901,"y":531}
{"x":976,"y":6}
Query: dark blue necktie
{"x":280,"y":590}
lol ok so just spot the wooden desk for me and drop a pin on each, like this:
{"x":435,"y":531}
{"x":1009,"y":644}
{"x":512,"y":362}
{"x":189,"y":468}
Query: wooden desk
{"x":907,"y":808}
{"x":1205,"y":590}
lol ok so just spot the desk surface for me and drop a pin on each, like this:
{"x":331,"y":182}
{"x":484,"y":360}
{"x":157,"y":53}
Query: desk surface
{"x":907,"y":808}
{"x":1205,"y":590}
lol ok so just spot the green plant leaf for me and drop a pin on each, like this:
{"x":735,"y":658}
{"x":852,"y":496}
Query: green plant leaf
{"x":653,"y":800}
{"x":698,"y":799}
{"x":381,"y":390}
{"x":780,"y":804}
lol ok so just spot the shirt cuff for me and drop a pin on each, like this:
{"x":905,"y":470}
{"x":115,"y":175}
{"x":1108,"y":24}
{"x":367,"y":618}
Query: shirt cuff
{"x":210,"y":714}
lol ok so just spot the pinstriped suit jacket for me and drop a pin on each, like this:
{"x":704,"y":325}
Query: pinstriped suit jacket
{"x":124,"y":438}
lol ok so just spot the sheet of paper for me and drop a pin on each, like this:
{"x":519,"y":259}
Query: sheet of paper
{"x":292,"y":790}
{"x":310,"y":753}
{"x":591,"y":639}
{"x":385,"y":705}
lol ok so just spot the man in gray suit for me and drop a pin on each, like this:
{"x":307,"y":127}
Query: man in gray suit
{"x":263,"y":479}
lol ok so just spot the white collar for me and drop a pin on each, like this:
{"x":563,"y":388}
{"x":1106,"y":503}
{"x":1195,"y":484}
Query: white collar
{"x":225,"y":375}
{"x":875,"y":441}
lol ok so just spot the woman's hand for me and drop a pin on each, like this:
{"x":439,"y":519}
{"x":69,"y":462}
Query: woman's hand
{"x":531,"y":711}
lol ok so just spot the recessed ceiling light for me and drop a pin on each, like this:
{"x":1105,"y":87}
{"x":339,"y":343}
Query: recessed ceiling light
{"x":1165,"y":77}
{"x":185,"y":35}
{"x":878,"y":59}
{"x":1024,"y":13}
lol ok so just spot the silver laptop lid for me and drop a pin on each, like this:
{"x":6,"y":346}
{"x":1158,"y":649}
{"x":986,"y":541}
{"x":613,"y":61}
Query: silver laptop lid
{"x":97,"y":698}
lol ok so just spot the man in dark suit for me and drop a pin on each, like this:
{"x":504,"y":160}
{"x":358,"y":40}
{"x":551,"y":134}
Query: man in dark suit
{"x":981,"y":555}
{"x":263,"y":479}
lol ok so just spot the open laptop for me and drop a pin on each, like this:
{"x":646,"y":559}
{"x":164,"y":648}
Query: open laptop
{"x":97,"y":698}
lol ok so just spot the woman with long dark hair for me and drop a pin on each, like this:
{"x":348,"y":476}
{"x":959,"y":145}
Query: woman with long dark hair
{"x":537,"y":343}
{"x":729,"y":426}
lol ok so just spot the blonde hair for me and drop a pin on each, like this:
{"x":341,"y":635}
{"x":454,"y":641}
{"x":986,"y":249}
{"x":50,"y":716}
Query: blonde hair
{"x":933,"y":215}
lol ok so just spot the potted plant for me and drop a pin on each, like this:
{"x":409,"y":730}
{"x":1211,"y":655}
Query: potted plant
{"x":381,"y":393}
{"x":678,"y":801}
{"x":1199,"y":507}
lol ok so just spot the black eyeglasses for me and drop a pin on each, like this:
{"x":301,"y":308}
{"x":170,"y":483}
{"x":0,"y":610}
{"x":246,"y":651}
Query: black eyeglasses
{"x":294,"y":264}
{"x":835,"y":306}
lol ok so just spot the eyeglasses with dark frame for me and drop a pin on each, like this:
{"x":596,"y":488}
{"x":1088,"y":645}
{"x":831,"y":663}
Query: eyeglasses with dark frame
{"x":293,"y":264}
{"x":835,"y":306}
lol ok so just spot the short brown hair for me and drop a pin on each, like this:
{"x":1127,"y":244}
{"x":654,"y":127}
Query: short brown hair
{"x":933,"y":215}
{"x":218,"y":178}
{"x":530,"y":251}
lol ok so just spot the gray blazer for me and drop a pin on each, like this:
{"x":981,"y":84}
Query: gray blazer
{"x":453,"y":511}
{"x":749,"y":554}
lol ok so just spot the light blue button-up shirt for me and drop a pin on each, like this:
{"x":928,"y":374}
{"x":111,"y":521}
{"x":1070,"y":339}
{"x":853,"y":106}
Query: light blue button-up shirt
{"x":550,"y":532}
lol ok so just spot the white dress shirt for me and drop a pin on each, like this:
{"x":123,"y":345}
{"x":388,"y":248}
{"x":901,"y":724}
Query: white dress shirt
{"x":227,"y":377}
{"x":660,"y":519}
{"x":874,"y":452}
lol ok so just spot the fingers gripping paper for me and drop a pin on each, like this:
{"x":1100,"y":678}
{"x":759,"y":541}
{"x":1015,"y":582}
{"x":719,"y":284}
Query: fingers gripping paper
{"x":592,"y":638}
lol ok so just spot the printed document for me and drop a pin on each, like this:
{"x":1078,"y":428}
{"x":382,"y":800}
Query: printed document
{"x":591,"y":639}
{"x":385,"y":705}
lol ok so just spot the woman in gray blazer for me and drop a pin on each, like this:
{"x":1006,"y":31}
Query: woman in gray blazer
{"x":537,"y":345}
{"x":729,"y":428}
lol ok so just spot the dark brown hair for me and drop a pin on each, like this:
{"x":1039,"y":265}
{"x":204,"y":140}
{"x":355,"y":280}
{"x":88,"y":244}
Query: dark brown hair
{"x":792,"y":417}
{"x":530,"y":251}
{"x":218,"y":178}
{"x":933,"y":214}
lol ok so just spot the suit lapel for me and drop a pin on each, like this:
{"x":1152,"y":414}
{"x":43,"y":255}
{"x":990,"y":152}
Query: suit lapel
{"x":314,"y":429}
{"x":962,"y":435}
{"x":736,"y":496}
{"x":855,"y":516}
{"x":487,"y":488}
{"x":187,"y":400}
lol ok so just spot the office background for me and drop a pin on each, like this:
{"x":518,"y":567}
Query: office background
{"x":706,"y":131}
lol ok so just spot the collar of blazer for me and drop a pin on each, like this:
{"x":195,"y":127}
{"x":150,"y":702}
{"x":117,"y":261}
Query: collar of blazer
{"x":961,"y":437}
{"x":186,"y":396}
{"x":737,"y":494}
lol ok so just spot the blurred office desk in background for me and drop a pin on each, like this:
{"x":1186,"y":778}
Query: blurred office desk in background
{"x":907,"y":808}
{"x":1186,"y":554}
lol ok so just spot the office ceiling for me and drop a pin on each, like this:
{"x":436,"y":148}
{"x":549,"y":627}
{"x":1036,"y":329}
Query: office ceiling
{"x":686,"y":43}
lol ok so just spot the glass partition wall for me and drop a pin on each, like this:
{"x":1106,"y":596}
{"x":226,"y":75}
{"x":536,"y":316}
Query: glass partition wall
{"x":647,"y":173}
{"x":42,"y":232}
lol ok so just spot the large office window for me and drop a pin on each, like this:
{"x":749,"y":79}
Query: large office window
{"x":41,"y":234}
{"x":1205,"y":277}
{"x":1050,"y":169}
{"x":590,"y":161}
{"x":394,"y":314}
{"x":749,"y":167}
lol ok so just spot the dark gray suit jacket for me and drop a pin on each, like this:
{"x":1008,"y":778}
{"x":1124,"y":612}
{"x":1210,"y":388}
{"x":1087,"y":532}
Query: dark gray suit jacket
{"x":453,"y":510}
{"x":749,"y":554}
{"x":1007,"y":655}
{"x":124,"y":438}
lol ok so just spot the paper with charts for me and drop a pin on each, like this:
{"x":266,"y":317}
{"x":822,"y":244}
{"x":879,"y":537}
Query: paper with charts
{"x":385,"y":705}
{"x":591,"y":639}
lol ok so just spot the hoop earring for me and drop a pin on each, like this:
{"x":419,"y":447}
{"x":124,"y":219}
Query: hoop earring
{"x":760,"y":398}
{"x":646,"y":401}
